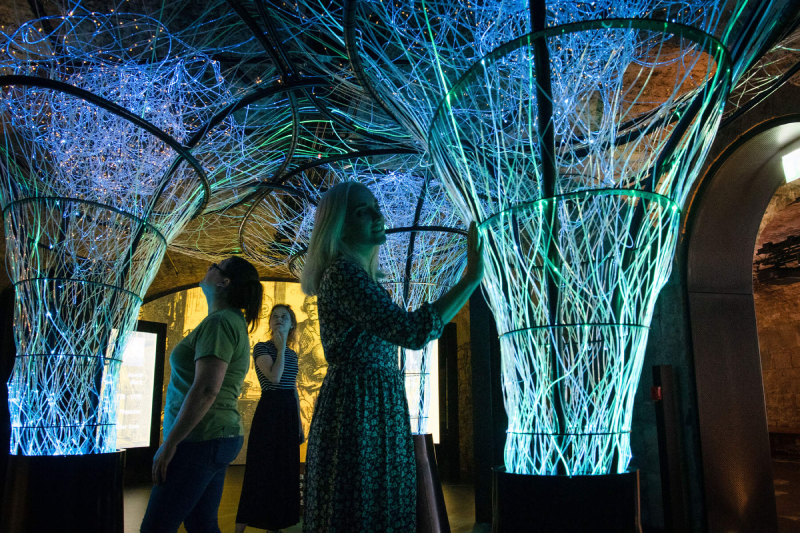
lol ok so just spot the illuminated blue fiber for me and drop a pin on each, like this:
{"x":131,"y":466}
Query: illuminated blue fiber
{"x":88,"y":211}
{"x":529,"y":130}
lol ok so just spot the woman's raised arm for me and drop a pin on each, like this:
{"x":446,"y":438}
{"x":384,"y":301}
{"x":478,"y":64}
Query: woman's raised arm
{"x":451,"y":302}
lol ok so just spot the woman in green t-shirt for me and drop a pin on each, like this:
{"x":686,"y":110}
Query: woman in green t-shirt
{"x":202,"y":427}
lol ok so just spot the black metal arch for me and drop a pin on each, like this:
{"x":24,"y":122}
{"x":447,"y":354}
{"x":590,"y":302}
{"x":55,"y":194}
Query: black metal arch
{"x":183,"y":152}
{"x":195,"y":139}
{"x":763,"y":95}
{"x":269,"y":48}
{"x":349,"y":25}
{"x":267,"y":187}
{"x":278,"y":55}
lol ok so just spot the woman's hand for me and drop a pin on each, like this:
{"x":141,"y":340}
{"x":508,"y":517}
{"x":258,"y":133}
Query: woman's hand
{"x":279,"y":338}
{"x":475,"y":261}
{"x":161,"y":460}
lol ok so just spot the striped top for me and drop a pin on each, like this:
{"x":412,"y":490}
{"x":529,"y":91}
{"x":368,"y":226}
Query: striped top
{"x":289,"y":376}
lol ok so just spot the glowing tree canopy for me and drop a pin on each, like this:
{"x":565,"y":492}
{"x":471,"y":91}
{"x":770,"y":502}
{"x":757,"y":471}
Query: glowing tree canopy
{"x":572,"y":132}
{"x":95,"y":185}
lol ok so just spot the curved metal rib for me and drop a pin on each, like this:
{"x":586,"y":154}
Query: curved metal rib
{"x":268,"y":47}
{"x":268,"y":187}
{"x":183,"y":152}
{"x":349,"y":25}
{"x":761,"y":96}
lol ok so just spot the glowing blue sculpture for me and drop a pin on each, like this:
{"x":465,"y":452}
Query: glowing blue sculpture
{"x":95,"y":184}
{"x":580,"y":232}
{"x":572,"y":132}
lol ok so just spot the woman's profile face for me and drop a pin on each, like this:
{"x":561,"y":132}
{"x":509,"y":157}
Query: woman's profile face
{"x":364,"y":224}
{"x":215,"y":275}
{"x":280,"y":320}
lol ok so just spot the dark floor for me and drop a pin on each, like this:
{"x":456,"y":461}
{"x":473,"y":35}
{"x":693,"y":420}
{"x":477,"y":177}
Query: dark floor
{"x":459,"y":500}
{"x":460,"y":503}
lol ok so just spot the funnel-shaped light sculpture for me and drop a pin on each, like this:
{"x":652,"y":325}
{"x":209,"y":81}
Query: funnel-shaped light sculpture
{"x":572,"y":132}
{"x":575,"y":157}
{"x":95,"y":184}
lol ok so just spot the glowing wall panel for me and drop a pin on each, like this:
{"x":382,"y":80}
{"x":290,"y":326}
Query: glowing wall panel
{"x":135,"y":391}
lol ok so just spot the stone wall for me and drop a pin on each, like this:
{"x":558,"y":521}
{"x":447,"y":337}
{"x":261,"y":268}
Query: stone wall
{"x":668,"y":344}
{"x":778,"y":316}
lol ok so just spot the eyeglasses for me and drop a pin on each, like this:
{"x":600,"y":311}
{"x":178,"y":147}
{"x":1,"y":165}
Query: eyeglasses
{"x":221,"y":270}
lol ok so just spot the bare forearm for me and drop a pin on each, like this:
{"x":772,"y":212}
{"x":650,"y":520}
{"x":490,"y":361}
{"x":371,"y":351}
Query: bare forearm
{"x":451,"y":302}
{"x":194,"y":408}
{"x":277,"y":367}
{"x":272,"y":372}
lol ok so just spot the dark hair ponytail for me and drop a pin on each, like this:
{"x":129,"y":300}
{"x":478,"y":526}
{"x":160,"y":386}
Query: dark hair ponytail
{"x":245,"y":290}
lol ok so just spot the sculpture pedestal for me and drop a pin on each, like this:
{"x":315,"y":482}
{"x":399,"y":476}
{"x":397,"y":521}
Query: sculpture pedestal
{"x":431,"y":512}
{"x":578,"y":504}
{"x":64,"y":493}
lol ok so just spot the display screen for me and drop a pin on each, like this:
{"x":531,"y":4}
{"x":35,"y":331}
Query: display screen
{"x":414,"y":382}
{"x":135,"y":393}
{"x":433,"y":407}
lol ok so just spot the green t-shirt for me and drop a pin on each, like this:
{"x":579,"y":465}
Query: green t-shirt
{"x":222,"y":334}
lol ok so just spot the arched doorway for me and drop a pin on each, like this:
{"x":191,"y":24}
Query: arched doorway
{"x":737,"y":472}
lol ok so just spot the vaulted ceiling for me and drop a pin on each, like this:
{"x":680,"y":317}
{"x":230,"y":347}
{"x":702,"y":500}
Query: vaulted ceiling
{"x":310,"y":118}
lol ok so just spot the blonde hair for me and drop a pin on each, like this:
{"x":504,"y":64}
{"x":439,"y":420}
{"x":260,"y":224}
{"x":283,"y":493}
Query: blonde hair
{"x":326,"y":245}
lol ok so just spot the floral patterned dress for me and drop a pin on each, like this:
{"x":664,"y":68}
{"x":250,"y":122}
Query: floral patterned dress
{"x":360,"y":465}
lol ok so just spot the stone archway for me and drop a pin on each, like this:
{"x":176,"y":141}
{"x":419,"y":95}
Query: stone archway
{"x":724,"y":221}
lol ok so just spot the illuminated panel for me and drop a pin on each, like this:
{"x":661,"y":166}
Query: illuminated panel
{"x":791,"y":165}
{"x":422,"y":388}
{"x":135,"y":391}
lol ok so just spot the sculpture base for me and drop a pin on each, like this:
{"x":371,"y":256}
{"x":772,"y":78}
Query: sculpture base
{"x":578,"y":504}
{"x":431,"y":512}
{"x":64,"y":493}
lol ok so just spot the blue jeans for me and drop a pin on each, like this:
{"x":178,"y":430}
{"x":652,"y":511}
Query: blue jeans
{"x":193,"y":489}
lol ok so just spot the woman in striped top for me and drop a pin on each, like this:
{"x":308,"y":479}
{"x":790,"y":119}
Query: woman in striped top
{"x":271,"y":489}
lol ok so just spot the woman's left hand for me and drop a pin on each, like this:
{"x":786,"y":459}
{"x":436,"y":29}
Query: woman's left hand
{"x":279,"y":339}
{"x":161,"y":460}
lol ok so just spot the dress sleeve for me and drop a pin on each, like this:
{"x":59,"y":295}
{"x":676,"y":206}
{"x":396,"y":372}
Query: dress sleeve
{"x":360,"y":299}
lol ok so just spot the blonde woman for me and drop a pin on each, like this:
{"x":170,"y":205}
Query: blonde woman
{"x":271,"y":488}
{"x":360,"y":461}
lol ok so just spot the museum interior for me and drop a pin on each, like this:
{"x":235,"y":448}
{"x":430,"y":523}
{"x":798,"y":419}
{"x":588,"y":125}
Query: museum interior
{"x":631,"y":359}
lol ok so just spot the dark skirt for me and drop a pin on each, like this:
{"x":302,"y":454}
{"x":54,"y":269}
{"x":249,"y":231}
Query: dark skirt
{"x":271,"y":488}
